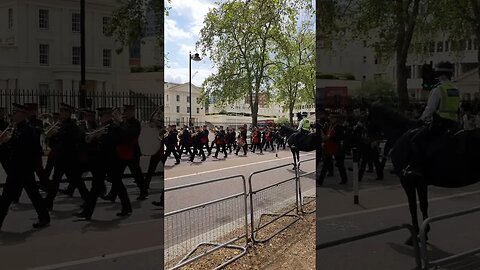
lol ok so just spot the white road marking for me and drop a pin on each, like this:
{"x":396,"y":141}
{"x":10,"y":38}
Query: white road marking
{"x":233,"y":167}
{"x":99,"y":258}
{"x":349,"y":214}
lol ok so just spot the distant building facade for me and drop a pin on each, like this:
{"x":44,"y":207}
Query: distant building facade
{"x":177,"y":104}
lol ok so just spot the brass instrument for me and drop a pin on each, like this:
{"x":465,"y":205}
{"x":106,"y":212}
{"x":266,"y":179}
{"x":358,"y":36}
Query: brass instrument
{"x":53,"y":129}
{"x":6,"y":135}
{"x":89,"y":136}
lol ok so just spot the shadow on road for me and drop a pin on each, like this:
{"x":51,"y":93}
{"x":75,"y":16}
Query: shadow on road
{"x":13,"y":238}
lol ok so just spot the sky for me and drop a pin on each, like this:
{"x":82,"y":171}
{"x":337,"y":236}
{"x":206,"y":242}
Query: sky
{"x":182,"y":31}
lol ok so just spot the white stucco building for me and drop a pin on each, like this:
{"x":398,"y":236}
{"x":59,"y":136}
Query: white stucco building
{"x":40,"y":46}
{"x":177,"y":107}
{"x":361,"y":61}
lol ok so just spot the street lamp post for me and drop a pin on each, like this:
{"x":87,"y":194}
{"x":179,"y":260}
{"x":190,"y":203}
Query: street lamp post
{"x":191,"y":57}
{"x":82,"y":92}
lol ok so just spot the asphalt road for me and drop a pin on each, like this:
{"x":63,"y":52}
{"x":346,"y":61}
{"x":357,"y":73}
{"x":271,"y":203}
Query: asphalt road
{"x":383,"y":204}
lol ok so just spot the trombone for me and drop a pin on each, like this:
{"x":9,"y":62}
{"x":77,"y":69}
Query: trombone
{"x":53,"y":129}
{"x":95,"y":133}
{"x":8,"y":133}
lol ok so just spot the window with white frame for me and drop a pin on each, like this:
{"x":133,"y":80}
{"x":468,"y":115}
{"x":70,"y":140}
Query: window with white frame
{"x":107,"y":58}
{"x":188,"y":99}
{"x":178,"y":109}
{"x":43,"y":19}
{"x":44,"y":54}
{"x":106,"y":26}
{"x":198,"y":110}
{"x":10,"y":18}
{"x":178,"y":98}
{"x":188,"y":109}
{"x":76,"y":55}
{"x":75,"y":22}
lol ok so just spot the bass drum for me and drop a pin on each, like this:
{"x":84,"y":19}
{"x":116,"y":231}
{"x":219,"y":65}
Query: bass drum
{"x":148,"y":140}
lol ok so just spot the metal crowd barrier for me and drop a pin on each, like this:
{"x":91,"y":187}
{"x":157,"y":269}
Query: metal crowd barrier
{"x":423,"y":247}
{"x":409,"y":227}
{"x":182,"y":242}
{"x":286,"y":189}
{"x":303,"y":199}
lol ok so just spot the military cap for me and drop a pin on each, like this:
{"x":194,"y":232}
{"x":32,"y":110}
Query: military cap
{"x":19,"y":108}
{"x":67,"y":107}
{"x":104,"y":110}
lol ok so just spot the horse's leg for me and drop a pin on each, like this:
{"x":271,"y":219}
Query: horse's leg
{"x":409,"y":187}
{"x":422,"y":191}
{"x":298,"y":158}
{"x":294,"y":159}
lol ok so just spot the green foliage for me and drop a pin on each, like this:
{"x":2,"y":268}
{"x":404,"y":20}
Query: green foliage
{"x":374,"y":89}
{"x":129,"y":21}
{"x":239,"y":39}
{"x":282,"y":121}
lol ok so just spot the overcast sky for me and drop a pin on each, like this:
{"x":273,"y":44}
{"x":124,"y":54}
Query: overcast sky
{"x":182,"y":29}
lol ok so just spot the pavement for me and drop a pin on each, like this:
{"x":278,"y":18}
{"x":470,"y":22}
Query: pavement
{"x":384,"y":204}
{"x":136,"y":242}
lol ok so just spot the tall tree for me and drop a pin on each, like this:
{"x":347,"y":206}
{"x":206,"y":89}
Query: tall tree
{"x":238,"y":37}
{"x":391,"y":26}
{"x":295,"y":51}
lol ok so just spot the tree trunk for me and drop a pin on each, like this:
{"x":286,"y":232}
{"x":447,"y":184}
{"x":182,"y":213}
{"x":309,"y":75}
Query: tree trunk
{"x":290,"y":115}
{"x":402,"y":89}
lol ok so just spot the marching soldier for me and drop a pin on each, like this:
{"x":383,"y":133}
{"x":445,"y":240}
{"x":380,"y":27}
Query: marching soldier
{"x":185,"y":142}
{"x":198,"y":143}
{"x":204,"y":140}
{"x":65,"y":143}
{"x":51,"y":155}
{"x":129,"y":152}
{"x":242,"y":141}
{"x":171,"y":145}
{"x":3,"y":121}
{"x":37,"y":124}
{"x":108,"y":138}
{"x":220,"y":142}
{"x":20,"y":166}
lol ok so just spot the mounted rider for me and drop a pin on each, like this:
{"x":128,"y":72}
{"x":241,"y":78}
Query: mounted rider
{"x":442,"y":109}
{"x":303,"y":128}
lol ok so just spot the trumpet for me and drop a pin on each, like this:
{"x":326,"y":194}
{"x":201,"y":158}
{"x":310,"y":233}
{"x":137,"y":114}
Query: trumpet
{"x":53,"y":129}
{"x":6,"y":135}
{"x":95,"y":133}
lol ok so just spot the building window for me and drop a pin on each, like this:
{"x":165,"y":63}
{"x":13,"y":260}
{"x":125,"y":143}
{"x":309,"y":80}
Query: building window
{"x":440,"y":46}
{"x":469,"y":45}
{"x":188,"y":109}
{"x":107,"y":58}
{"x":43,"y":19}
{"x":431,"y":47}
{"x":43,"y":94}
{"x":364,"y":59}
{"x":75,"y":55}
{"x":198,"y":110}
{"x":44,"y":52}
{"x":198,"y":100}
{"x":178,"y":98}
{"x":10,"y":18}
{"x":178,"y":109}
{"x":106,"y":26}
{"x":446,"y":46}
{"x":76,"y":22}
{"x":188,"y":99}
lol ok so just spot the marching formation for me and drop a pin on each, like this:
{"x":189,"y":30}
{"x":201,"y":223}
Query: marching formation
{"x":194,"y":141}
{"x":104,"y":149}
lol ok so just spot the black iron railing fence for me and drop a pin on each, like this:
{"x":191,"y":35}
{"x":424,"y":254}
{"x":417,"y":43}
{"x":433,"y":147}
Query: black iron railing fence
{"x":49,"y":100}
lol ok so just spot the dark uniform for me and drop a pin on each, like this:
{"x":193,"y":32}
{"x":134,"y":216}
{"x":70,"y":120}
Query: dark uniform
{"x":65,"y":143}
{"x":109,"y":166}
{"x":20,"y":163}
{"x":171,"y":143}
{"x":129,"y":154}
{"x":242,"y":141}
{"x":220,"y":138}
{"x":199,"y":138}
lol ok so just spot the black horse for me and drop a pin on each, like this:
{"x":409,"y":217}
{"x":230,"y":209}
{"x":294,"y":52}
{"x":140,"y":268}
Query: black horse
{"x":451,"y":159}
{"x":307,"y":143}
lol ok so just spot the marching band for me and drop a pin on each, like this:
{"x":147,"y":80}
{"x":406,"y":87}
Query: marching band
{"x":104,"y":149}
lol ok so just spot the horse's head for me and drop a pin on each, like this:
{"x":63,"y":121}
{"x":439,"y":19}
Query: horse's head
{"x":384,"y":119}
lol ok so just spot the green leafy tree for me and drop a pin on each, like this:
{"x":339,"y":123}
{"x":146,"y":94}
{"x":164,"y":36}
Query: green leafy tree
{"x":295,"y":51}
{"x":392,"y":26}
{"x":375,"y":89}
{"x":238,"y":37}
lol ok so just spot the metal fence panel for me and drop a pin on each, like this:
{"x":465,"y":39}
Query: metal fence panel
{"x":306,"y":187}
{"x":277,"y":200}
{"x":197,"y":230}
